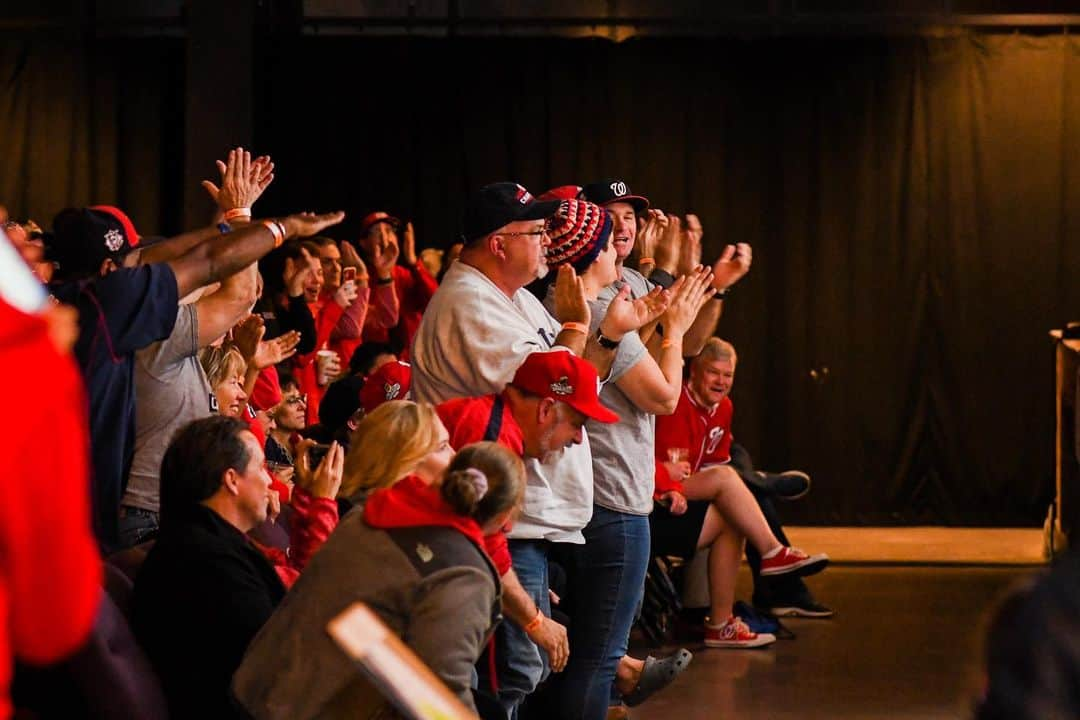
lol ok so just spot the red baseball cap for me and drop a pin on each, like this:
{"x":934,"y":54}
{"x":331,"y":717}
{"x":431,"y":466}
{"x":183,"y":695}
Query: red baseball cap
{"x":561,"y":375}
{"x":390,"y":382}
{"x":563,"y":192}
{"x":373,"y":219}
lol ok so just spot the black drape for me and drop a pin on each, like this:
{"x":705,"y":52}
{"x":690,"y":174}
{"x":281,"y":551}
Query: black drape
{"x":85,"y":121}
{"x":913,"y":204}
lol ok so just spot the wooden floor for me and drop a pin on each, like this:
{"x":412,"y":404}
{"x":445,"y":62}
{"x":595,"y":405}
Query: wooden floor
{"x":922,"y":545}
{"x":904,"y":644}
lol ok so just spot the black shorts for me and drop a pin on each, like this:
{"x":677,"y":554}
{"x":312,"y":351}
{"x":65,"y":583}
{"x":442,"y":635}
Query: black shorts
{"x":677,"y":534}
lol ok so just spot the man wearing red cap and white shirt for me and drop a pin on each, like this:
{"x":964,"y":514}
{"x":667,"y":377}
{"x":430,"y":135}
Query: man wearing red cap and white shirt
{"x":123,"y":308}
{"x":480,"y":326}
{"x":412,"y":283}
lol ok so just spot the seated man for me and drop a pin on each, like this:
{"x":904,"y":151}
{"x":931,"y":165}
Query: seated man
{"x":694,"y":462}
{"x":205,"y":590}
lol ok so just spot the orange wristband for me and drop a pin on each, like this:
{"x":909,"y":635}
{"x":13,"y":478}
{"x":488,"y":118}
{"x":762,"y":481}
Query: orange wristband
{"x":237,"y":212}
{"x":646,"y":261}
{"x":277,"y":230}
{"x":535,"y":623}
{"x":667,"y":343}
{"x":576,"y":327}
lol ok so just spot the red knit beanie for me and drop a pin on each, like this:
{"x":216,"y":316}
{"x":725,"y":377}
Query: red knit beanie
{"x":578,"y":232}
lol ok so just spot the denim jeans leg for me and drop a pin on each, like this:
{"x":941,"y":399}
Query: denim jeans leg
{"x":607,"y":584}
{"x":136,"y":525}
{"x":519,"y":664}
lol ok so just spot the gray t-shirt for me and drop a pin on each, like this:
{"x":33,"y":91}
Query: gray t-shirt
{"x":171,"y":390}
{"x":624,"y":470}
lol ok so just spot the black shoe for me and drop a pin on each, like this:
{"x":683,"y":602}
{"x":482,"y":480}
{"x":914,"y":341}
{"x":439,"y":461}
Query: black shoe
{"x":801,"y":609}
{"x":788,"y":485}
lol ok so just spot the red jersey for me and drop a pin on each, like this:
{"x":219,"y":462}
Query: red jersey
{"x":470,"y":420}
{"x":704,"y":432}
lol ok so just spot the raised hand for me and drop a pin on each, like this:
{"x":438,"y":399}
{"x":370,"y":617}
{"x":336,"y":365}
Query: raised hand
{"x":385,"y":257}
{"x":649,"y":234}
{"x":307,"y":224}
{"x":690,"y":252}
{"x":689,"y":294}
{"x":408,"y":248}
{"x":668,"y":247}
{"x":625,"y":315}
{"x":271,"y":352}
{"x":733,"y":263}
{"x":325,"y":480}
{"x":243,"y":180}
{"x":570,"y":302}
{"x":247,"y":334}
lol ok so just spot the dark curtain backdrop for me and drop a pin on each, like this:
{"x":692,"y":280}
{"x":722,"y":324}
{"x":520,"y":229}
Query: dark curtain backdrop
{"x":914,"y":207}
{"x":87,"y":121}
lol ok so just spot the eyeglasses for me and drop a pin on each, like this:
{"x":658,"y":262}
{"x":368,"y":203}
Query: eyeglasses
{"x":296,"y":400}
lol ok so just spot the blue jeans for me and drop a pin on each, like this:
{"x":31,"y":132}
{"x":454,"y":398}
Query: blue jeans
{"x":606,"y":585}
{"x":519,"y":664}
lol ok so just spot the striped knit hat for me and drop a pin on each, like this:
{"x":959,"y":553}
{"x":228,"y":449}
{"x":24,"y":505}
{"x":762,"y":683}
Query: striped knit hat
{"x":578,"y":232}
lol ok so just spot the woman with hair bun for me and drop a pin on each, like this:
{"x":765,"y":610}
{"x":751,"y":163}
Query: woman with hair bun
{"x":415,"y":554}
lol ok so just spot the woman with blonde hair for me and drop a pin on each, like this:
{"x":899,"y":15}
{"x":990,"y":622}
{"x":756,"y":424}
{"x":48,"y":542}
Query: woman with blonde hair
{"x":225,"y":368}
{"x":399,"y":438}
{"x":415,"y":555}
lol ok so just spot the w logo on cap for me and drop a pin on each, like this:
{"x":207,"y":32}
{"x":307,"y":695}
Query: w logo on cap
{"x":392,"y":391}
{"x":618,"y":188}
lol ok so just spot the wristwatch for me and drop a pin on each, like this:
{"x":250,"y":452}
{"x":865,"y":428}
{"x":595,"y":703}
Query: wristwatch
{"x":606,"y":343}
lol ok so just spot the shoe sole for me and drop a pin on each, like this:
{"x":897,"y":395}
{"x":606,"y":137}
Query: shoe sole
{"x":761,"y":640}
{"x":796,"y":473}
{"x":810,"y":566}
{"x":799,"y":612}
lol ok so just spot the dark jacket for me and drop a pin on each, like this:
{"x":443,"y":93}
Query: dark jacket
{"x":200,"y":597}
{"x":431,"y":585}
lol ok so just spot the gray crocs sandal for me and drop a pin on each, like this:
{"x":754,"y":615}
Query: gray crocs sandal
{"x":657,"y":674}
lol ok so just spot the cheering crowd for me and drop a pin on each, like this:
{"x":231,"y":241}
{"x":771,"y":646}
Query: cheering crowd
{"x":485,"y":443}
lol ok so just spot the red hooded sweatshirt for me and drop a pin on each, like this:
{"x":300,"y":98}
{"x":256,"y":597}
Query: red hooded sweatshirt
{"x":411,"y":502}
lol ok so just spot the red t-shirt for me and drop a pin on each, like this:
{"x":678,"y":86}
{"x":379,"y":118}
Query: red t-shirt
{"x":468,"y":420}
{"x":705,"y":432}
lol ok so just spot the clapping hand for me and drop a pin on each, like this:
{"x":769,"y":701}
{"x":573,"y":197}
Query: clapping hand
{"x":273,"y":351}
{"x":689,"y":294}
{"x":243,"y":180}
{"x":570,"y":302}
{"x":690,"y":252}
{"x":625,"y":315}
{"x":408,"y":249}
{"x":733,"y":263}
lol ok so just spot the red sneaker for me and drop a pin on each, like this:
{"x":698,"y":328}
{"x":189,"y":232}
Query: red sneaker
{"x":793,"y":560}
{"x":735,"y":634}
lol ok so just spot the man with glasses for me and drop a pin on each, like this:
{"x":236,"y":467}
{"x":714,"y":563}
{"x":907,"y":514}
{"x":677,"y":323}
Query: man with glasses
{"x":478,"y":329}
